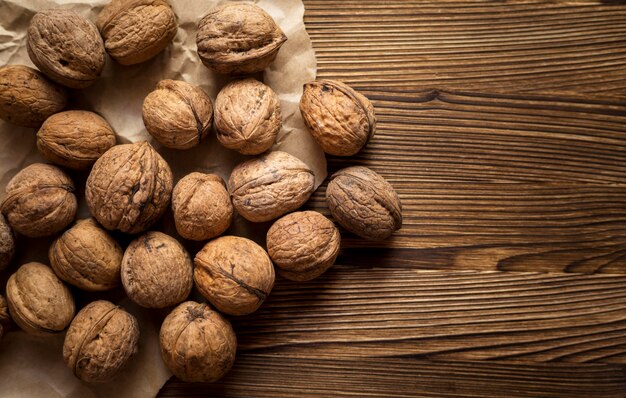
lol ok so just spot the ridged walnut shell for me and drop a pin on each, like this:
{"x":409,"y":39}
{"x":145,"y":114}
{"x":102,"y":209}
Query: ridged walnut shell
{"x":39,"y":201}
{"x":177,"y":114}
{"x":271,"y":185}
{"x":303,"y":245}
{"x":157,"y":272}
{"x":100,"y":342}
{"x":364,"y":203}
{"x":235,"y":274}
{"x":7,"y":243}
{"x":87,"y":257}
{"x":238,"y":38}
{"x":27,"y":97}
{"x":5,"y":319}
{"x":202,"y":206}
{"x":129,"y":187}
{"x":136,"y":30}
{"x":340,"y":119}
{"x":39,"y":302}
{"x":197,"y":343}
{"x":66,"y":47}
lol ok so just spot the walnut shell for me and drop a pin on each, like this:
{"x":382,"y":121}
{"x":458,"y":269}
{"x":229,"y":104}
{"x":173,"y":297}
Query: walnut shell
{"x":39,"y":302}
{"x":100,"y":342}
{"x":340,"y":119}
{"x":247,"y":116}
{"x":178,"y":114}
{"x":66,"y":47}
{"x":7,"y":243}
{"x":271,"y":185}
{"x":238,"y":38}
{"x":202,"y":206}
{"x":5,"y":319}
{"x":129,"y":187}
{"x":303,"y":245}
{"x":235,"y":274}
{"x":39,"y":201}
{"x":136,"y":30}
{"x":364,"y":203}
{"x":197,"y":343}
{"x":27,"y":97}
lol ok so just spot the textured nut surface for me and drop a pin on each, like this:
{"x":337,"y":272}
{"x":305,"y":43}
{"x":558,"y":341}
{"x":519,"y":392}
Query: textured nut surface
{"x":197,"y":343}
{"x":238,"y":38}
{"x":364,"y":203}
{"x":27,"y":97}
{"x":177,"y":114}
{"x":5,"y":319}
{"x":100,"y":341}
{"x":7,"y":243}
{"x":247,"y":116}
{"x":303,"y":245}
{"x":202,"y":206}
{"x":66,"y":47}
{"x":136,"y":30}
{"x":39,"y":201}
{"x":75,"y":139}
{"x":340,"y":119}
{"x":38,"y":301}
{"x":271,"y":185}
{"x":129,"y":187}
{"x":235,"y":274}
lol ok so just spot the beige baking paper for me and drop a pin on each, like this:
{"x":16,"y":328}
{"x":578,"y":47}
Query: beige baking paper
{"x":33,"y":366}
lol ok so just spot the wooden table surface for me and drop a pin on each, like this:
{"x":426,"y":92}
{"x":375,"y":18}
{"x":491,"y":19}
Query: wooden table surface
{"x":503,"y":127}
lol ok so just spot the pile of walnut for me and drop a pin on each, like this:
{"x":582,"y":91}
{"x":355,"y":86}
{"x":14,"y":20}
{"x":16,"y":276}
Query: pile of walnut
{"x":130,"y":187}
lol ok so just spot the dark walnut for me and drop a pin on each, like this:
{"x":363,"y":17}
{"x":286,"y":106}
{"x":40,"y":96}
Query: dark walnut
{"x":66,"y":47}
{"x":364,"y":203}
{"x":340,"y":119}
{"x":235,"y":274}
{"x":5,"y":319}
{"x":27,"y":97}
{"x":7,"y":243}
{"x":238,"y":38}
{"x":129,"y":187}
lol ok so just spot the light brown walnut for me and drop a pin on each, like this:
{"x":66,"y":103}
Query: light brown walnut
{"x":7,"y":243}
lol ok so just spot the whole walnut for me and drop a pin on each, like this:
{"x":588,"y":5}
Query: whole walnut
{"x":303,"y":245}
{"x":66,"y":47}
{"x":247,"y":116}
{"x":235,"y":274}
{"x":202,"y":206}
{"x":75,"y":139}
{"x":238,"y":38}
{"x":87,"y":257}
{"x":178,"y":114}
{"x":100,"y":342}
{"x":271,"y":185}
{"x":39,"y":302}
{"x":341,"y":120}
{"x":364,"y":203}
{"x":27,"y":97}
{"x":197,"y":343}
{"x":7,"y":243}
{"x":136,"y":30}
{"x":129,"y":187}
{"x":5,"y":319}
{"x":39,"y":201}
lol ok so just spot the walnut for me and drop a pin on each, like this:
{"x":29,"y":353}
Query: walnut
{"x":202,"y":207}
{"x":341,"y":120}
{"x":39,"y":201}
{"x":39,"y":302}
{"x":177,"y":114}
{"x":5,"y":319}
{"x":136,"y":30}
{"x":238,"y":38}
{"x":66,"y":47}
{"x":247,"y":116}
{"x":197,"y":343}
{"x":364,"y":203}
{"x":271,"y":185}
{"x":7,"y":243}
{"x":129,"y":187}
{"x":27,"y":97}
{"x":303,"y":245}
{"x":235,"y":274}
{"x":100,"y":342}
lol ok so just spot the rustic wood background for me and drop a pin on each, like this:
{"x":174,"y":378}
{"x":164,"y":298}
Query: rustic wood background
{"x":503,"y":127}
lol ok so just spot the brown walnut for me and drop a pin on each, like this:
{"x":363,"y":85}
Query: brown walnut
{"x":7,"y":243}
{"x":5,"y":319}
